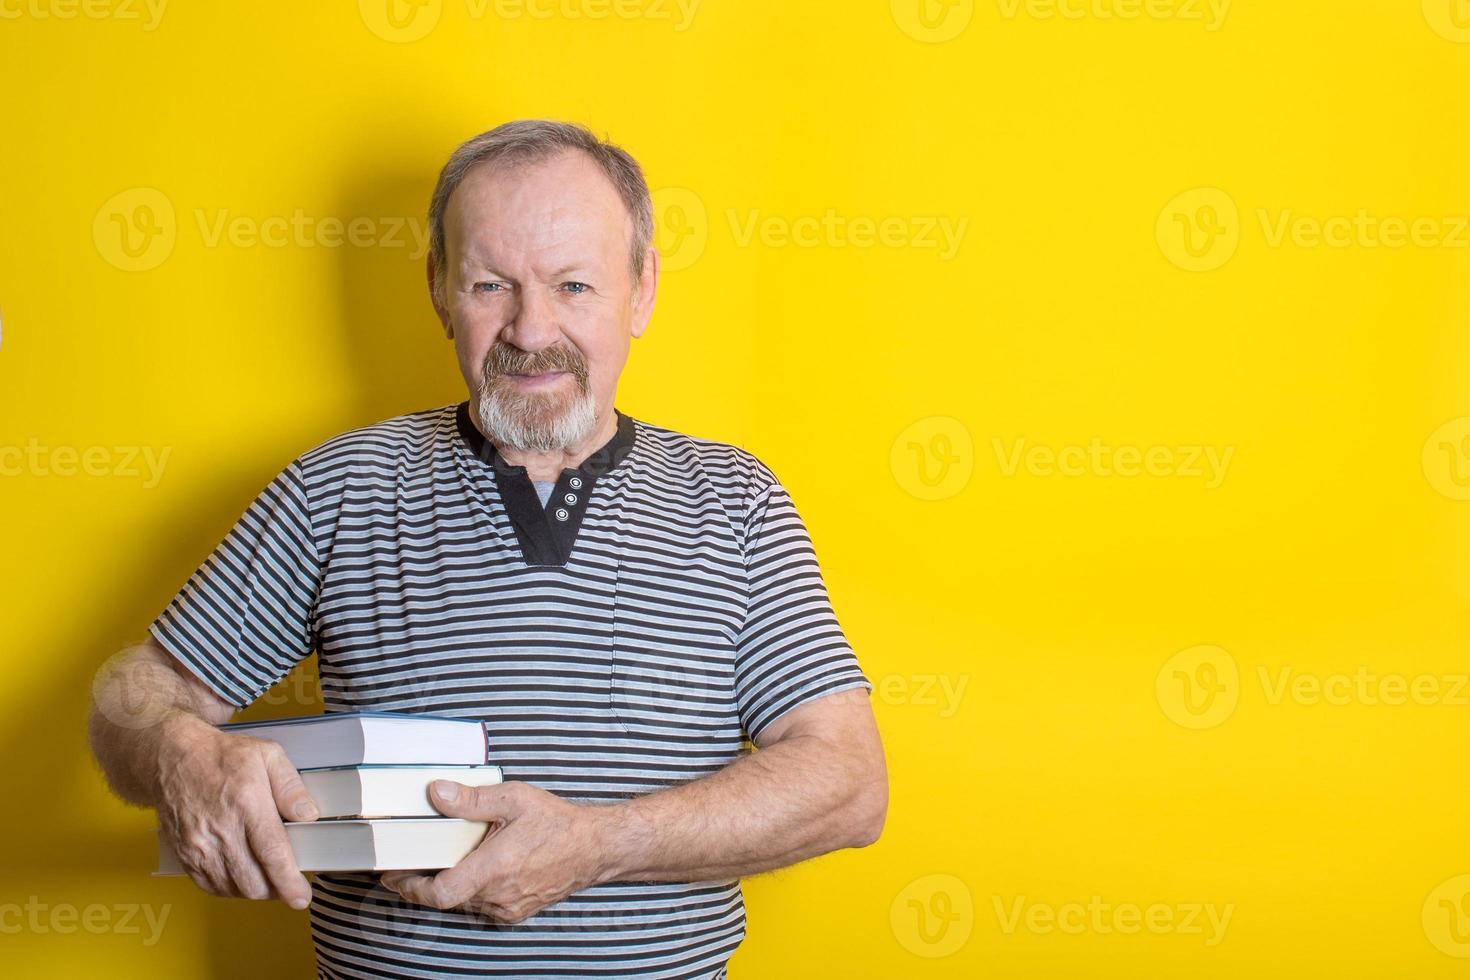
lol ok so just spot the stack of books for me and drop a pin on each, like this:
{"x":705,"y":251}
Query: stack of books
{"x":369,"y":773}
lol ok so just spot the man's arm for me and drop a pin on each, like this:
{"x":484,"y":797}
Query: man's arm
{"x":138,"y":695}
{"x":818,"y":783}
{"x":220,"y":797}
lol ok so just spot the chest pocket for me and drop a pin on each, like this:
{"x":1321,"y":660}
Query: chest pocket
{"x":673,"y":657}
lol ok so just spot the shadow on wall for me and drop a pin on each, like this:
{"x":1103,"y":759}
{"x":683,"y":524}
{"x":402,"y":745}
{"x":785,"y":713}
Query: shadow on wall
{"x":391,"y":337}
{"x":399,"y":362}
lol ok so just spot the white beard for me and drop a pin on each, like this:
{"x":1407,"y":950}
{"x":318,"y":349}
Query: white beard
{"x":532,"y":424}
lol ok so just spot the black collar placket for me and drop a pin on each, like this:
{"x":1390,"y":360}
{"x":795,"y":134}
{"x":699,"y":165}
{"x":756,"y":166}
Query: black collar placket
{"x":546,"y":534}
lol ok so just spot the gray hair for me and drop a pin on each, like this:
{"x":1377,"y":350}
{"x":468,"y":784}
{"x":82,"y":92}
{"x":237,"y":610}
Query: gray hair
{"x":530,"y":141}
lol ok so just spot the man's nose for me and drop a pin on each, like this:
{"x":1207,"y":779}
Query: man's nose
{"x":534,"y":325}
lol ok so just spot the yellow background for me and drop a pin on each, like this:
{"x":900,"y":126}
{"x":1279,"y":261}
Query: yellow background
{"x":886,"y":382}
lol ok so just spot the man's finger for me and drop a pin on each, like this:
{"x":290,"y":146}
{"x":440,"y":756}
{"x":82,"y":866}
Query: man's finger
{"x":206,"y":867}
{"x":293,"y":802}
{"x":449,"y":888}
{"x":435,"y":892}
{"x":272,"y":848}
{"x":212,"y":879}
{"x":394,"y":880}
{"x":470,"y":877}
{"x":248,"y":880}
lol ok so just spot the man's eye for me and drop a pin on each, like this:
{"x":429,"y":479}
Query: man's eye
{"x":576,"y":287}
{"x":487,"y":287}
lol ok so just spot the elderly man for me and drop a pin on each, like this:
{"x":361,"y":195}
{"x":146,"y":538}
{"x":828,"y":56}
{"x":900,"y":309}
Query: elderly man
{"x":623,"y":605}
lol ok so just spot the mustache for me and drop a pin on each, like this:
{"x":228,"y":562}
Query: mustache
{"x":505,"y":359}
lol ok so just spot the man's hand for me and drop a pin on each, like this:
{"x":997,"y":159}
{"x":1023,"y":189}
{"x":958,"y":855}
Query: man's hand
{"x":539,"y":850}
{"x":220,"y":801}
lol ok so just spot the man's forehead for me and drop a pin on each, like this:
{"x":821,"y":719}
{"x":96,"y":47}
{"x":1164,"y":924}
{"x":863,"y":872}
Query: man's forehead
{"x":561,"y":202}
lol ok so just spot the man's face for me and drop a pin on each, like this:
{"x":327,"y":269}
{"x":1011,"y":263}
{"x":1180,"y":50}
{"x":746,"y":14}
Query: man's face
{"x":539,"y":297}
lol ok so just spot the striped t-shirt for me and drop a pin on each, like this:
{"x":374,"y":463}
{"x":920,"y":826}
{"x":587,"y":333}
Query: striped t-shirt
{"x":662,"y":607}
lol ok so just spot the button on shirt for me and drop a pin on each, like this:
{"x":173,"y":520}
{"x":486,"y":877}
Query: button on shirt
{"x":662,"y":606}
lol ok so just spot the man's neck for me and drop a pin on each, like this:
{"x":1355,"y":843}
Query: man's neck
{"x":547,"y":466}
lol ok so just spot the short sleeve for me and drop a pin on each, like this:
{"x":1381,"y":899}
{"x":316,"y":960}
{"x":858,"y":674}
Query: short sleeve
{"x":791,"y":649}
{"x":245,"y":617}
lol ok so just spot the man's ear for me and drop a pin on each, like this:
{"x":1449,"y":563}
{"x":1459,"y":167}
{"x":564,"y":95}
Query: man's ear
{"x":439,"y":309}
{"x":645,"y":291}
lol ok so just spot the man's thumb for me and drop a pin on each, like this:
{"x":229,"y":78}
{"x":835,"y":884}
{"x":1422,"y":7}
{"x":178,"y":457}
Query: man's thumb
{"x":470,"y":802}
